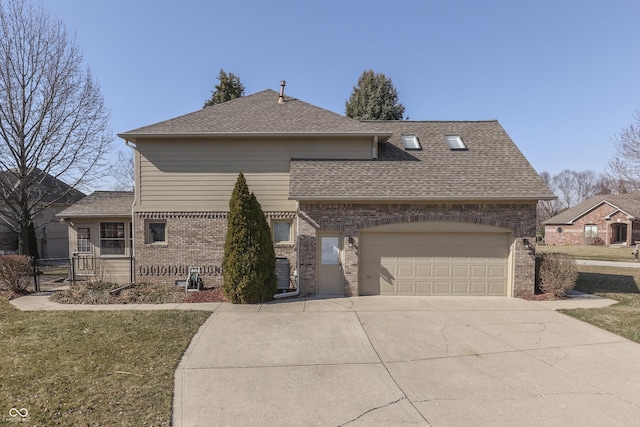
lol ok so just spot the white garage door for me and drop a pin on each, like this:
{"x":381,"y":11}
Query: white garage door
{"x":431,"y":263}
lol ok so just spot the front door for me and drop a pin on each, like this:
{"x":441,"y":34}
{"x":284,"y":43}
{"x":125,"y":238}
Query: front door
{"x":622,"y":233}
{"x":330,"y":280}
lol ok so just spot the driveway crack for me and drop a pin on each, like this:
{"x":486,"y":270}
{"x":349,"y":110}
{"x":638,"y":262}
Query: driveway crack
{"x":371,"y":410}
{"x":390,"y":376}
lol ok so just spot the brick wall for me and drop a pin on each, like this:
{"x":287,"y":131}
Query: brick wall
{"x":349,"y":219}
{"x":197,"y":239}
{"x":193,"y":239}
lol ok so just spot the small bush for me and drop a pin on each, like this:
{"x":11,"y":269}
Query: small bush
{"x":16,"y":272}
{"x":598,"y":241}
{"x":557,"y":274}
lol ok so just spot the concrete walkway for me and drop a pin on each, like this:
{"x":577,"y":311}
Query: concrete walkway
{"x":619,"y":264}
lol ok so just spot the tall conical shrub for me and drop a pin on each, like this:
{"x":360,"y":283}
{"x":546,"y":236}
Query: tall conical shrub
{"x":249,"y":259}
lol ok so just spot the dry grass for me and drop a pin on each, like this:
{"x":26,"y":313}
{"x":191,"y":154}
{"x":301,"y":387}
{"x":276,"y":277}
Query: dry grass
{"x":620,"y":284}
{"x":592,"y":252}
{"x":92,"y":368}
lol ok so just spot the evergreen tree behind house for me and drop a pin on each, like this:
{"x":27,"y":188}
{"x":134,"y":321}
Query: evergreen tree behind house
{"x":228,"y":88}
{"x":249,"y":260}
{"x":374,"y":98}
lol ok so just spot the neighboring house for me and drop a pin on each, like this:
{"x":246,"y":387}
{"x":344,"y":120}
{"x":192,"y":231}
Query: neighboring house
{"x":100,"y":236}
{"x":52,"y":196}
{"x":604,"y":219}
{"x":356,"y":207}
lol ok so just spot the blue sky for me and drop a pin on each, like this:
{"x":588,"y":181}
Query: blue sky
{"x":562,"y":76}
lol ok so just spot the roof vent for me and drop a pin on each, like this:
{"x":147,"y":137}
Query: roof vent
{"x":281,"y":97}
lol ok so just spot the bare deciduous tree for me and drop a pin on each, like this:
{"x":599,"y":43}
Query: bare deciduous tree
{"x":571,"y":187}
{"x":574,"y":187}
{"x":123,"y":171}
{"x":625,"y":166}
{"x":547,"y":208}
{"x":53,"y":122}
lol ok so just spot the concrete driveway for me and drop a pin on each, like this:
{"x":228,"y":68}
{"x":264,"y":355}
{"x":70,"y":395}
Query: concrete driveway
{"x":394,"y":361}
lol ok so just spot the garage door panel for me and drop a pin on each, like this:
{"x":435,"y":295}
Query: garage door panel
{"x":441,"y":271}
{"x":496,"y":288}
{"x":423,"y":270}
{"x":405,"y":287}
{"x":423,"y":288}
{"x":460,"y":288}
{"x":479,"y":270}
{"x":460,"y":271}
{"x":479,"y":288}
{"x":405,"y":271}
{"x":497,"y":271}
{"x":434,"y":263}
{"x":441,"y":288}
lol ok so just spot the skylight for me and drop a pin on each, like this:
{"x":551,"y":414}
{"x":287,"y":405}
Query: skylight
{"x":455,"y":142}
{"x":411,"y":142}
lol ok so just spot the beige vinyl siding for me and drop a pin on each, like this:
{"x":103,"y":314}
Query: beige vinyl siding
{"x":93,"y":265}
{"x":200,"y":175}
{"x":108,"y":269}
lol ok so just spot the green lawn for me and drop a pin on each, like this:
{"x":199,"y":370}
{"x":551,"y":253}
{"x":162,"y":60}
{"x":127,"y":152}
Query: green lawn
{"x":599,"y":253}
{"x":92,"y":368}
{"x":620,"y":284}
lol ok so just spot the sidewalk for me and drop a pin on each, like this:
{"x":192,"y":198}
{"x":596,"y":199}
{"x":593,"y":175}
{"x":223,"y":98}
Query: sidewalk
{"x":41,"y":302}
{"x":620,"y":264}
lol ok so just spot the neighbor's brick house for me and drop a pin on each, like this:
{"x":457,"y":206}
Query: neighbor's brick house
{"x":356,"y":207}
{"x":603,"y":219}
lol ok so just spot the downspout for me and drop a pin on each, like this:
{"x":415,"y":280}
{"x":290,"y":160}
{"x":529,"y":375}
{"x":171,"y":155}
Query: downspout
{"x":132,"y":270}
{"x":374,"y":152}
{"x":297,"y":270}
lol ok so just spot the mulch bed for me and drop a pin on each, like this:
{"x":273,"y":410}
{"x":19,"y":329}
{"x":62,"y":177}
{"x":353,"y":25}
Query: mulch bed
{"x":9,"y":295}
{"x":207,"y":295}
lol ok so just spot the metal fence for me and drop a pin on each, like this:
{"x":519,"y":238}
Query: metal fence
{"x":51,"y":273}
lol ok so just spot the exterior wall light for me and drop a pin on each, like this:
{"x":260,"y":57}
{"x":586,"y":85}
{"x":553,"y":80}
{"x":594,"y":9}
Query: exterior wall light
{"x":351,"y":242}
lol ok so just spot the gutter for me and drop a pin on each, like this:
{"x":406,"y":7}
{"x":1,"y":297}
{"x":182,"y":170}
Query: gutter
{"x":371,"y":199}
{"x":297,"y":270}
{"x":134,"y":136}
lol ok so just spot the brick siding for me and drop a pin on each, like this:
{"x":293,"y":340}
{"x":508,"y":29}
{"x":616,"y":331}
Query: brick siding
{"x":197,"y":239}
{"x":349,"y":219}
{"x":192,"y":240}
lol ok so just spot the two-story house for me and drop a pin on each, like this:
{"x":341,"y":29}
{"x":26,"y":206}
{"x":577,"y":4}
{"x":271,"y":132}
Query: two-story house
{"x":356,"y":207}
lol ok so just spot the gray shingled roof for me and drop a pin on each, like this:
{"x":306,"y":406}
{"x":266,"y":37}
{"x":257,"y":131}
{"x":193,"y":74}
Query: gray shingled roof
{"x":101,"y":204}
{"x":258,"y":113}
{"x":628,"y":203}
{"x":45,"y":188}
{"x":491,"y":168}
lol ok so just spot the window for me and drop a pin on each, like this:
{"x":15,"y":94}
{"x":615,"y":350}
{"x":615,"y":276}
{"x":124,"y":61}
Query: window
{"x":84,"y":240}
{"x":411,"y":142}
{"x":590,"y":232}
{"x":282,"y":231}
{"x":112,"y":238}
{"x":455,"y":142}
{"x":156,"y":232}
